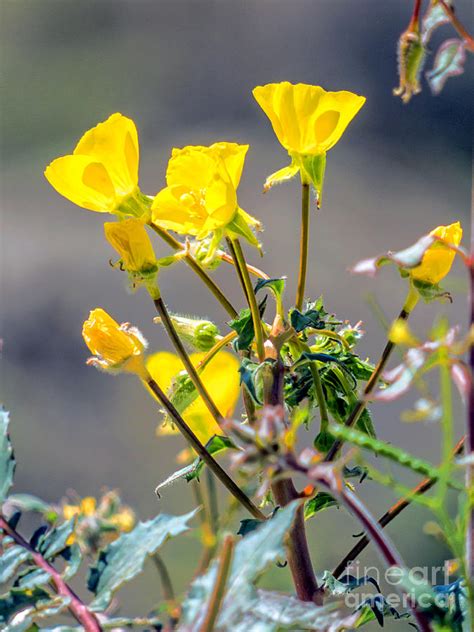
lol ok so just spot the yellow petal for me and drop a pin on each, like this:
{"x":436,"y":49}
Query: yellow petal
{"x":131,"y":241}
{"x":172,"y":210}
{"x":191,"y":167}
{"x":438,"y":259}
{"x":233,"y":156}
{"x":163,"y":366}
{"x":83,"y":181}
{"x":114,"y":143}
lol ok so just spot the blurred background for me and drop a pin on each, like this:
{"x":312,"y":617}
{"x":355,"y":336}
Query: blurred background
{"x":184,"y":71}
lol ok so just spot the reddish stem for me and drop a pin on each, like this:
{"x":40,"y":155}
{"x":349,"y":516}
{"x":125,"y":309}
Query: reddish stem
{"x":77,"y":608}
{"x":458,"y":26}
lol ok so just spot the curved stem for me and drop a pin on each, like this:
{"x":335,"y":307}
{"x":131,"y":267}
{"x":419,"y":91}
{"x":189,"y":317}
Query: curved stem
{"x":391,"y":514}
{"x":241,"y":266}
{"x":188,"y":365}
{"x":197,"y":268}
{"x":77,"y":608}
{"x":218,"y":592}
{"x":252,"y":269}
{"x":361,"y":405}
{"x":201,"y":451}
{"x":304,"y":243}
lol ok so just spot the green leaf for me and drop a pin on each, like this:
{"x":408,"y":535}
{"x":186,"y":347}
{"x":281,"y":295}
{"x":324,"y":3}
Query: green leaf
{"x":434,"y":17}
{"x":54,"y":541}
{"x":277,"y":286}
{"x":449,"y":62}
{"x":321,"y":501}
{"x":34,"y":578}
{"x":243,"y":326}
{"x":122,"y":560}
{"x":18,"y":599}
{"x":7,"y":458}
{"x":252,"y":555}
{"x":346,"y":584}
{"x":248,"y":371}
{"x":11,"y":559}
{"x":282,"y":175}
{"x":214,"y":446}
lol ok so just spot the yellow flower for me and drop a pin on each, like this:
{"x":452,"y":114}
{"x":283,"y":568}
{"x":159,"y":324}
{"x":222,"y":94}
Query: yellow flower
{"x":401,"y":334}
{"x":221,"y":379}
{"x":131,"y":241}
{"x":102,"y":173}
{"x":88,"y":506}
{"x":308,"y":122}
{"x":438,"y":259}
{"x":201,"y":196}
{"x":124,"y":521}
{"x":115,"y":347}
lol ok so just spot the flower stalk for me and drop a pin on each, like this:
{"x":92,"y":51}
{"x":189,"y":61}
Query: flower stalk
{"x":201,"y":451}
{"x":304,"y":245}
{"x":218,"y":591}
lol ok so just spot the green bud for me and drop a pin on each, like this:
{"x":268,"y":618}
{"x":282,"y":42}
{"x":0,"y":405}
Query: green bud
{"x":200,"y":334}
{"x":411,"y":59}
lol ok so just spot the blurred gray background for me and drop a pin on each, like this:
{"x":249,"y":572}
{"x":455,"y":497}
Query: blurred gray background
{"x":184,"y":71}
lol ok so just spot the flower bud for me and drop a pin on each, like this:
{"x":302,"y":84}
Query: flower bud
{"x":400,"y":334}
{"x":200,"y":334}
{"x":439,"y":257}
{"x":115,"y":347}
{"x":411,"y":58}
{"x":131,"y":241}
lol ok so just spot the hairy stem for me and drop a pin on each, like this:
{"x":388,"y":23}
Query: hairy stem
{"x":188,"y":365}
{"x":225,"y":340}
{"x":391,"y":514}
{"x":361,"y":404}
{"x":218,"y":591}
{"x":77,"y":608}
{"x":197,"y":268}
{"x":201,"y":451}
{"x":240,"y":264}
{"x":304,"y":243}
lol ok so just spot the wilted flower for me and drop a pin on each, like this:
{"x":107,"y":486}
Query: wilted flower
{"x":220,"y":378}
{"x":201,"y":196}
{"x":131,"y":241}
{"x":308,"y":122}
{"x":411,"y":58}
{"x":102,"y":173}
{"x":439,"y":257}
{"x":115,"y":347}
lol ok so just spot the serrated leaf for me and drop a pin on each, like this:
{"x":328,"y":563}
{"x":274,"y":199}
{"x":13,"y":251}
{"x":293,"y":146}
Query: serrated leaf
{"x":34,"y":578}
{"x":321,"y":501}
{"x":122,"y":560}
{"x":214,"y":446}
{"x":243,"y":326}
{"x":7,"y":458}
{"x":377,"y":607}
{"x":55,"y":540}
{"x":18,"y":599}
{"x":11,"y":559}
{"x":248,"y":371}
{"x":345,"y":584}
{"x":277,"y":286}
{"x":248,"y":525}
{"x":449,"y":62}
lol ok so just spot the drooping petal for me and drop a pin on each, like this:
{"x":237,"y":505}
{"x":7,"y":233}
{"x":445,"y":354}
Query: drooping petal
{"x":114,"y":143}
{"x":83,"y":181}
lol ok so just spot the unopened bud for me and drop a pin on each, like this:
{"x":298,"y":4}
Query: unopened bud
{"x":411,"y":58}
{"x":200,"y":334}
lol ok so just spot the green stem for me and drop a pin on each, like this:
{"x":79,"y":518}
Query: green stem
{"x":304,"y":244}
{"x":166,"y":583}
{"x":188,"y":365}
{"x":218,"y":592}
{"x":197,"y":268}
{"x":361,"y":405}
{"x":225,"y":340}
{"x":201,"y":451}
{"x":241,"y":266}
{"x":213,"y":506}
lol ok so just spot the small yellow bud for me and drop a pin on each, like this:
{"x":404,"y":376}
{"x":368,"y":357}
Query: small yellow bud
{"x":131,"y":241}
{"x":115,"y":347}
{"x":88,"y":506}
{"x":400,"y":334}
{"x":124,"y":520}
{"x":438,"y":259}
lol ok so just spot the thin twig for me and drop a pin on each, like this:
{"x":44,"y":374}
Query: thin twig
{"x":391,"y":514}
{"x":77,"y":608}
{"x":218,"y":592}
{"x":456,"y":24}
{"x":201,"y":451}
{"x":252,"y":269}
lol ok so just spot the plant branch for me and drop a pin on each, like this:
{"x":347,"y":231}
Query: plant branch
{"x":197,"y":268}
{"x":252,"y":269}
{"x":218,"y":591}
{"x":188,"y":365}
{"x":201,"y":451}
{"x":470,"y":433}
{"x":304,"y":243}
{"x":241,"y":267}
{"x":391,"y":514}
{"x":457,"y":25}
{"x":362,"y":403}
{"x":225,"y":340}
{"x":77,"y":608}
